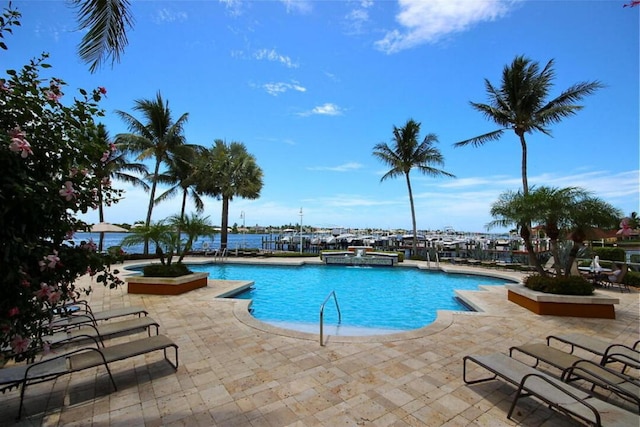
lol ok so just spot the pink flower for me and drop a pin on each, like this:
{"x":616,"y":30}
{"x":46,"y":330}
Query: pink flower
{"x":19,"y":144}
{"x":19,"y":344}
{"x":68,"y":192}
{"x":50,"y":261}
{"x":112,"y":146}
{"x":44,"y":292}
{"x":102,"y":90}
{"x":14,"y":311}
{"x":73,"y":172}
{"x":53,"y":96}
{"x":106,"y":182}
{"x":54,"y":297}
{"x":105,"y":157}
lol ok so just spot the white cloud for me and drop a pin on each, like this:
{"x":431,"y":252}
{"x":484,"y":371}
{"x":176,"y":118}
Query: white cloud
{"x":234,"y":7}
{"x":358,"y":17}
{"x":428,"y":21}
{"x":345,"y":167}
{"x":274,"y":56}
{"x":167,"y":15}
{"x":300,"y":6}
{"x":277,"y":88}
{"x":326,"y":109}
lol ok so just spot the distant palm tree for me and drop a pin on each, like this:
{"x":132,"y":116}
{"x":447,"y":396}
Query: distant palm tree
{"x":406,"y":154}
{"x":115,"y":167}
{"x":520,"y":104}
{"x":228,"y":171}
{"x":159,"y":137}
{"x":106,"y":22}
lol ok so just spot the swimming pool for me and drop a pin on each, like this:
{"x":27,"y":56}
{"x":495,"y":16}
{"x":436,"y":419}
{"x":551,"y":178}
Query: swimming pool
{"x":381,"y":299}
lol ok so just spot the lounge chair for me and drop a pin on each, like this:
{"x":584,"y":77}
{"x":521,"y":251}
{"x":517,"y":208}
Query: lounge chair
{"x":82,"y":306}
{"x":102,"y":331}
{"x":85,"y":358}
{"x":628,"y":356}
{"x":557,"y":394}
{"x":574,"y":368}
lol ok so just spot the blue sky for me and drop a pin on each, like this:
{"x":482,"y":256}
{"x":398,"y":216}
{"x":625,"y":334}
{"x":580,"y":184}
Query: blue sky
{"x":311,"y":86}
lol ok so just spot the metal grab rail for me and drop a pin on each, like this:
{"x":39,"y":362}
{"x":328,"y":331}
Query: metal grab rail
{"x":335,"y":298}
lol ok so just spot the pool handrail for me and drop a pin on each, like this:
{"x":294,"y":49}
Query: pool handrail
{"x":335,"y":298}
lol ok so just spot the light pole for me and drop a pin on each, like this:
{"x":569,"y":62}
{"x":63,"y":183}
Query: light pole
{"x":243,"y":229}
{"x":300,"y":231}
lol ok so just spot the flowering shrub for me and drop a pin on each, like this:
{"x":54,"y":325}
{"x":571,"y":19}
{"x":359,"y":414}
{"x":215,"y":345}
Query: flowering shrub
{"x":48,"y":151}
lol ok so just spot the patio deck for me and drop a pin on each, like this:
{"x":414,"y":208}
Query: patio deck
{"x":235,"y":371}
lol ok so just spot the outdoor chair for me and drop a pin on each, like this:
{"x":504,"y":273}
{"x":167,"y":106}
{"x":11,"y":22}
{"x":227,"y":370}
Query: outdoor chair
{"x":82,"y":306}
{"x":559,"y":395}
{"x":575,"y":368}
{"x":628,"y":356}
{"x":100,"y":332}
{"x":615,"y":279}
{"x":22,"y":376}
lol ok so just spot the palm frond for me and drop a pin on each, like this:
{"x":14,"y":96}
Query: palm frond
{"x":107,"y":22}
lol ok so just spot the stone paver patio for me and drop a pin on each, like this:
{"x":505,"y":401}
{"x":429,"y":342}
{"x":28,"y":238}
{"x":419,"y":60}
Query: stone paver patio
{"x":237,"y":371}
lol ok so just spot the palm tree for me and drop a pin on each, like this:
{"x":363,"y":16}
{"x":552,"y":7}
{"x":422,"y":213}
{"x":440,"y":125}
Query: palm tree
{"x":552,"y":210}
{"x":193,"y":226}
{"x":513,"y":208}
{"x":159,"y":138}
{"x":115,"y":166}
{"x":520,"y":104}
{"x":406,"y":154}
{"x":181,"y":175}
{"x":107,"y":22}
{"x":570,"y":211}
{"x":228,"y":171}
{"x":585,"y":216}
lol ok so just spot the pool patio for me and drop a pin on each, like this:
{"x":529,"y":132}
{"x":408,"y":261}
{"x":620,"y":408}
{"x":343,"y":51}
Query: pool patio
{"x":237,"y":371}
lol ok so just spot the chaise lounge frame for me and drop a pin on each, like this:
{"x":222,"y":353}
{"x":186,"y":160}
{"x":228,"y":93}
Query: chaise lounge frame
{"x":80,"y":359}
{"x":555,"y":393}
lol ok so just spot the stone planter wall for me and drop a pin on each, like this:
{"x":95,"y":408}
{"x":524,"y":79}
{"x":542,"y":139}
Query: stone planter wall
{"x":592,"y":306}
{"x":166,"y":285}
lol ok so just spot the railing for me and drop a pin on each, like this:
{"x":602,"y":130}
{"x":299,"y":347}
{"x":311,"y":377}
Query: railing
{"x":333,"y":293}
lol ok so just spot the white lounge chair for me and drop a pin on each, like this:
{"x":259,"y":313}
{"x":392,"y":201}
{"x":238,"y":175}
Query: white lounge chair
{"x":558,"y":395}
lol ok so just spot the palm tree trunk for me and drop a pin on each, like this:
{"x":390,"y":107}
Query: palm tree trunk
{"x":413,"y":216}
{"x":225,"y":221}
{"x":152,"y":200}
{"x":100,"y":216}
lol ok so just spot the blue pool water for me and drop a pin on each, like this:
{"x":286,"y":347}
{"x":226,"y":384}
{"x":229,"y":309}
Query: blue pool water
{"x":384,"y":298}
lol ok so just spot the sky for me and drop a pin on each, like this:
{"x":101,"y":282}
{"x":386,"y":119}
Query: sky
{"x":310,"y":87}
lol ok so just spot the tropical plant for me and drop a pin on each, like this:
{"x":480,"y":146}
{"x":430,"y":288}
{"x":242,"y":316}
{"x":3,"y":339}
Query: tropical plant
{"x":586,"y":215}
{"x":48,"y":163}
{"x":569,"y":212}
{"x":520,"y":104}
{"x":181,"y":175}
{"x":227,"y":171}
{"x":167,"y":236}
{"x":114,"y":165}
{"x":159,"y":137}
{"x":406,"y":154}
{"x":106,"y":23}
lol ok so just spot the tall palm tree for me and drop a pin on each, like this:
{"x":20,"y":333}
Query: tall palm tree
{"x":181,"y":176}
{"x":228,"y":171}
{"x":520,"y":104}
{"x":114,"y":167}
{"x":406,"y":154}
{"x":159,"y":137}
{"x":106,"y":22}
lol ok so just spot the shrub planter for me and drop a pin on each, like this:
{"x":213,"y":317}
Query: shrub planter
{"x":166,"y":285}
{"x":593,"y":306}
